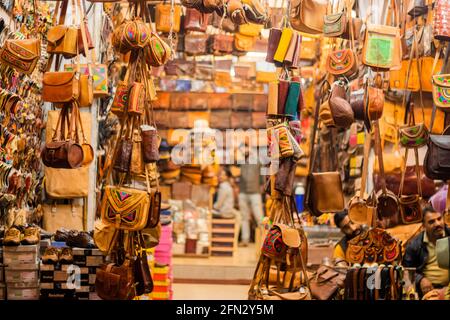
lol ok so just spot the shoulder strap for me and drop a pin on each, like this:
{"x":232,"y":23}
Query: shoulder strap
{"x":367,"y":144}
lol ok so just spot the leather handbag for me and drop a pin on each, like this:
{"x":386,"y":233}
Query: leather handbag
{"x":131,"y":35}
{"x":382,"y":47}
{"x":326,"y":282}
{"x":441,"y":29}
{"x":342,"y":62}
{"x":63,"y":152}
{"x":359,"y":209}
{"x":144,"y":281}
{"x":335,"y":22}
{"x":357,"y":103}
{"x":157,"y":52}
{"x":221,"y":44}
{"x":388,"y":209}
{"x":60,"y":87}
{"x":22,"y":55}
{"x":195,"y":20}
{"x":236,"y":13}
{"x":120,"y":102}
{"x":441,"y":90}
{"x":162,"y":18}
{"x":63,"y":40}
{"x":340,"y":109}
{"x":195,"y":44}
{"x":150,"y":145}
{"x":113,"y":282}
{"x":250,"y":29}
{"x":307,"y":16}
{"x":413,"y":135}
{"x":179,"y":67}
{"x":57,"y":216}
{"x":374,"y":103}
{"x":56,"y":186}
{"x":410,"y":185}
{"x":243,"y":42}
{"x":437,"y":157}
{"x":323,"y":189}
{"x":220,"y":119}
{"x":88,"y":151}
{"x":105,"y":236}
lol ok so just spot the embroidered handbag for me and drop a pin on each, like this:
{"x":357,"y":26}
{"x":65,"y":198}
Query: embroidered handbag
{"x":136,"y":99}
{"x":335,"y":24}
{"x":342,"y":62}
{"x":157,"y":52}
{"x":382,"y":47}
{"x":131,"y":35}
{"x":413,"y":136}
{"x":441,"y":90}
{"x":125,"y":208}
{"x":22,"y":55}
{"x":120,"y":102}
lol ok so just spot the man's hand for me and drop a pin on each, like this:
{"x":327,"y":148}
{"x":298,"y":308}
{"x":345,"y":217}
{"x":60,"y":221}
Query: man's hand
{"x":425,"y":285}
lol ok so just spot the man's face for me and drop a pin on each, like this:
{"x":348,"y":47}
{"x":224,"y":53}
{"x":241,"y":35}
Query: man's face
{"x":434,"y":224}
{"x":223,"y":176}
{"x":349,"y":228}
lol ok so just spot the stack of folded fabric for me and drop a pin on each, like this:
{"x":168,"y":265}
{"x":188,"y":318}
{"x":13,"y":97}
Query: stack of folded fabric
{"x":169,"y":171}
{"x":209,"y":176}
{"x":191,"y":173}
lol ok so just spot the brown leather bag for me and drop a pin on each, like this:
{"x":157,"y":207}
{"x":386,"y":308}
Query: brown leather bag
{"x":62,"y":152}
{"x":60,"y":87}
{"x":323,"y":189}
{"x":114,"y":282}
{"x":340,"y":108}
{"x":194,"y":20}
{"x":195,"y":44}
{"x":307,"y":16}
{"x":219,"y":101}
{"x":242,"y":101}
{"x":241,"y":120}
{"x":326,"y":282}
{"x":150,"y":145}
{"x":220,"y":44}
{"x":220,"y":119}
{"x":63,"y":40}
{"x":375,"y":103}
{"x":163,"y":20}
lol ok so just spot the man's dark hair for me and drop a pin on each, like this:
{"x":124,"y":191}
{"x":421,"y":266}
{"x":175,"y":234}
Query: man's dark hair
{"x":339,"y":217}
{"x":426,"y":210}
{"x":227,"y":172}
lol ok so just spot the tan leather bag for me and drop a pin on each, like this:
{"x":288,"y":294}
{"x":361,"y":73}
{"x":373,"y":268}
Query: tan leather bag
{"x":22,"y":55}
{"x":104,"y":236}
{"x":60,"y":87}
{"x":307,"y":15}
{"x":56,"y":185}
{"x":63,"y":40}
{"x":69,"y":216}
{"x":375,"y":103}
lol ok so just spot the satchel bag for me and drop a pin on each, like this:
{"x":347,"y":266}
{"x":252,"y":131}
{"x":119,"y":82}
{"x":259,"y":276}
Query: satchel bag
{"x":162,"y":18}
{"x":342,"y":62}
{"x":374,"y":103}
{"x":323,"y":189}
{"x":114,"y":282}
{"x":56,"y":185}
{"x":326,"y":282}
{"x":22,"y":55}
{"x":243,"y":42}
{"x":105,"y":236}
{"x":63,"y":40}
{"x":335,"y":22}
{"x":437,"y":158}
{"x":195,"y":44}
{"x":307,"y":16}
{"x":61,"y":152}
{"x":62,"y":216}
{"x":61,"y":87}
{"x":221,"y":44}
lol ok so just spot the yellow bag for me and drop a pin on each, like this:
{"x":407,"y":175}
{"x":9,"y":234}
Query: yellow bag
{"x":162,"y":18}
{"x":56,"y":185}
{"x":104,"y":236}
{"x":308,"y":49}
{"x":283,"y":45}
{"x":250,"y":29}
{"x":222,"y":78}
{"x":69,"y":216}
{"x":266,"y":77}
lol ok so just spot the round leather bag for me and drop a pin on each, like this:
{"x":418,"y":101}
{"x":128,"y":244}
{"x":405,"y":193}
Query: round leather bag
{"x":358,"y":211}
{"x":388,"y":210}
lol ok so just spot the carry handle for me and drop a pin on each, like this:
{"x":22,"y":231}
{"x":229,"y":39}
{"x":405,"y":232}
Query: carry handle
{"x":380,"y":155}
{"x":367,"y":145}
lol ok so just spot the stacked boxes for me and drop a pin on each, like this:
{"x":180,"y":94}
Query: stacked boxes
{"x":21,"y":272}
{"x":162,"y":271}
{"x":75,"y":280}
{"x":224,"y":237}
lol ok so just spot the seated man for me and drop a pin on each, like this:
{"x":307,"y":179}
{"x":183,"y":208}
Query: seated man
{"x":421,"y":253}
{"x":349,"y":228}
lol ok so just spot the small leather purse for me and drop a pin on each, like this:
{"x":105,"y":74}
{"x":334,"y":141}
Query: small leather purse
{"x":136,"y":99}
{"x":195,"y":44}
{"x":374,"y":103}
{"x":342,"y":62}
{"x":60,"y":87}
{"x":273,"y":42}
{"x":150,"y":144}
{"x":63,"y":40}
{"x":163,"y":18}
{"x":136,"y":165}
{"x":341,"y":110}
{"x":335,"y":24}
{"x":22,"y":55}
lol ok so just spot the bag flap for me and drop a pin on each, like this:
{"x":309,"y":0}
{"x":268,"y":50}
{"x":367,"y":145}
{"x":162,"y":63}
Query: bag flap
{"x":108,"y":282}
{"x":442,"y":80}
{"x":291,"y":236}
{"x":333,"y":18}
{"x":383,"y":30}
{"x":442,"y":141}
{"x":340,"y":56}
{"x":58,"y":78}
{"x":124,"y":201}
{"x":25,"y":49}
{"x":55,"y":144}
{"x":56,"y":33}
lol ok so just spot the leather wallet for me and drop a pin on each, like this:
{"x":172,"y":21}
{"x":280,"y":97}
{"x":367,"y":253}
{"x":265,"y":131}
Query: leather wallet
{"x":283,"y":90}
{"x":274,"y":40}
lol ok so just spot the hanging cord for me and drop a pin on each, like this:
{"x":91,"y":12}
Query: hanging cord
{"x":172,"y":20}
